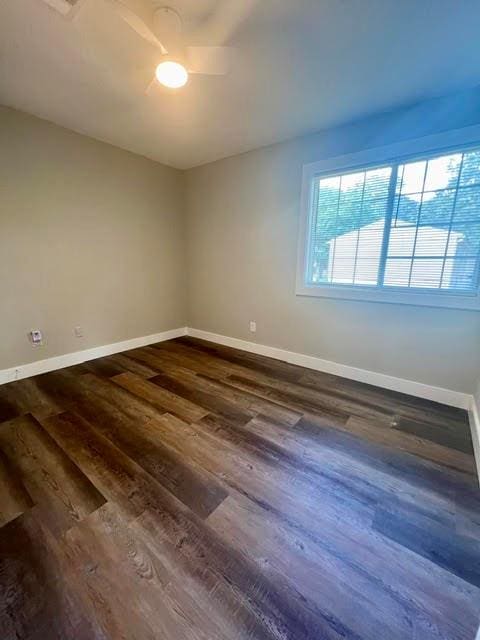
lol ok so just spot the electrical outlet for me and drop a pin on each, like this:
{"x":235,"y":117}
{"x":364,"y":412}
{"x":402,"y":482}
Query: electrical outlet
{"x":36,"y":337}
{"x":78,"y":331}
{"x":253,"y":326}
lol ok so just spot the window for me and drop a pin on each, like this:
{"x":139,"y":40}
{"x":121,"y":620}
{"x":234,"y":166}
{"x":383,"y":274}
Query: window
{"x":402,"y":231}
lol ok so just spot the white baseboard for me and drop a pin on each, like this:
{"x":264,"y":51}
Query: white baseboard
{"x":445,"y":396}
{"x":437,"y":394}
{"x":70,"y":359}
{"x":474,"y":416}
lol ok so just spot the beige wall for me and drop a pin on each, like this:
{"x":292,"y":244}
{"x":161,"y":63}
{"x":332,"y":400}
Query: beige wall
{"x":89,"y":235}
{"x":94,"y":236}
{"x":242,"y":224}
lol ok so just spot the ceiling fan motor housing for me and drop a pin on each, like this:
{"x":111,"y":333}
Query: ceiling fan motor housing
{"x":167,"y":21}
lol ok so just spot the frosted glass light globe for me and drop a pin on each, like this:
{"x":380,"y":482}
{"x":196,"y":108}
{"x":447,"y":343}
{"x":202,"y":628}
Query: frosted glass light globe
{"x":171,"y":74}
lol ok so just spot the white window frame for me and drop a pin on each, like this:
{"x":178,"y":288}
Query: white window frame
{"x":455,"y":140}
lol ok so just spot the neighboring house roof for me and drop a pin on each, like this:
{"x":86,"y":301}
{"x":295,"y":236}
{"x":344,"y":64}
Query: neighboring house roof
{"x":354,"y":256}
{"x":402,"y":237}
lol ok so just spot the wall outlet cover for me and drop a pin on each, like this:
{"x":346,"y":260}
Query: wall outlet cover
{"x":36,"y":336}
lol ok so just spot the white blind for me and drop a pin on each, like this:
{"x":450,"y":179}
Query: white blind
{"x":412,"y":225}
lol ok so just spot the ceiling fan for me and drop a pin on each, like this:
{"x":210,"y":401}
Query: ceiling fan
{"x":161,"y":27}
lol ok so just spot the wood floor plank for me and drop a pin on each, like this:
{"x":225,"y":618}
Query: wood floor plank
{"x":435,"y":482}
{"x":123,"y":420}
{"x":122,"y":562}
{"x":290,"y":506}
{"x":339,"y":458}
{"x":388,"y":401}
{"x":38,"y":591}
{"x":256,"y":471}
{"x":177,"y":368}
{"x":116,"y":364}
{"x":191,"y":491}
{"x":355,"y":399}
{"x":14,"y":498}
{"x":284,"y":494}
{"x":350,"y":392}
{"x":192,"y":391}
{"x":211,"y":363}
{"x":116,"y":573}
{"x":25,"y":396}
{"x":57,"y":385}
{"x":295,"y":399}
{"x":338,"y":474}
{"x":330,"y":398}
{"x":129,"y":364}
{"x":274,"y":368}
{"x":163,"y":358}
{"x":450,"y":438}
{"x":412,"y":443}
{"x":440,"y":544}
{"x":8,"y":408}
{"x":286,"y":555}
{"x":243,"y":399}
{"x":258,"y":605}
{"x":160,"y":398}
{"x":105,"y":367}
{"x":452,"y":442}
{"x":409,"y":582}
{"x":52,"y":480}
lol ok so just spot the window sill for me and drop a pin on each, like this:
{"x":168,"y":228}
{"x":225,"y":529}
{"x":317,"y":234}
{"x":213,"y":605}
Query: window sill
{"x":389,"y":296}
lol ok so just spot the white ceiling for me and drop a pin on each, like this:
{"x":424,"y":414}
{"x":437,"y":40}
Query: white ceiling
{"x":299,"y":66}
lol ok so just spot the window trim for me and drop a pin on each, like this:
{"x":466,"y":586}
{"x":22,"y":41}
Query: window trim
{"x":418,"y":149}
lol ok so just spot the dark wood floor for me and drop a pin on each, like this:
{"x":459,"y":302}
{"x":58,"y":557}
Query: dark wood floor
{"x":192,"y":491}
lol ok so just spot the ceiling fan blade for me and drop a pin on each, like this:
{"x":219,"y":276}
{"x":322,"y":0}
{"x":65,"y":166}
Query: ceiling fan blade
{"x":110,"y":46}
{"x":215,"y":61}
{"x":136,"y":23}
{"x":67,"y":8}
{"x":151,"y":85}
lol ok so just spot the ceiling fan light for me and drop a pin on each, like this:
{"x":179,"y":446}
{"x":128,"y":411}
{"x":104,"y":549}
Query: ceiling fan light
{"x":172,"y":74}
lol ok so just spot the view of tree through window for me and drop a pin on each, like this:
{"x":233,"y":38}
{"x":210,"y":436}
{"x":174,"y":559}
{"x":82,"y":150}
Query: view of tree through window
{"x":412,"y":225}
